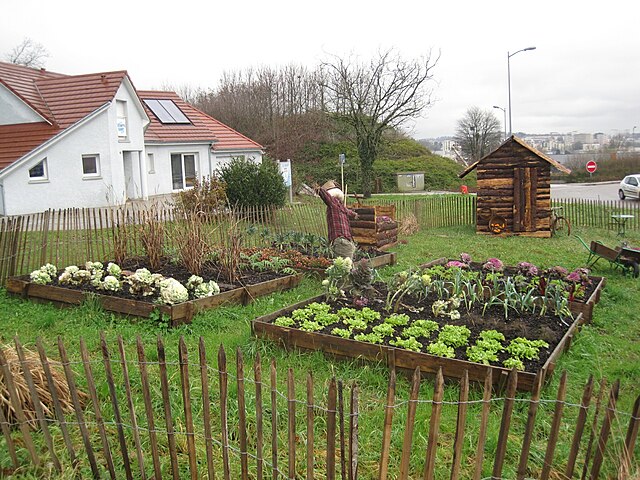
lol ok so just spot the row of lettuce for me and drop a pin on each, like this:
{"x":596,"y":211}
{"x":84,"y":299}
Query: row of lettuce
{"x":398,"y":330}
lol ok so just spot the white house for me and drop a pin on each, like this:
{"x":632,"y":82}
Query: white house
{"x":93,"y":140}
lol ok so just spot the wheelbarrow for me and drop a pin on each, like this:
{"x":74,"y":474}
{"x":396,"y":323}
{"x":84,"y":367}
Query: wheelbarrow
{"x":625,"y":258}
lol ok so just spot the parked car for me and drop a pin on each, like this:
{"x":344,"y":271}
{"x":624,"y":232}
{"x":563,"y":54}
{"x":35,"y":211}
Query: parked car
{"x":630,"y":187}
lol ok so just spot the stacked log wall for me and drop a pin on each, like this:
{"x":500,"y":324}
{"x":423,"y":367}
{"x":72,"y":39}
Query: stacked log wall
{"x":496,"y":188}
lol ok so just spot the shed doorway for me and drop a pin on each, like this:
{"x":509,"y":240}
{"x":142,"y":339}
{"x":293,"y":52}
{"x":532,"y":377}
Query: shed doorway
{"x":525,"y":190}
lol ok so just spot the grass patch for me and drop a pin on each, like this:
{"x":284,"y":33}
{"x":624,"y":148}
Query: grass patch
{"x":608,"y":348}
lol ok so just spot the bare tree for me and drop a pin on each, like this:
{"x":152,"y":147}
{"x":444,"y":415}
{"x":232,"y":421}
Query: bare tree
{"x":376,"y":96}
{"x":185,"y":91}
{"x":28,"y":53}
{"x":478,"y":133}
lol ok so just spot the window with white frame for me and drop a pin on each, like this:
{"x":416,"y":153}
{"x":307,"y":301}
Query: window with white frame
{"x":151,"y":163}
{"x":91,"y":166}
{"x":183,"y":170}
{"x":39,"y":171}
{"x":121,"y":121}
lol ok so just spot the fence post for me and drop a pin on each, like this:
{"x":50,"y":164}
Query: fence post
{"x":462,"y":418}
{"x":146,"y":393}
{"x":166,"y":401}
{"x":605,"y":430}
{"x":224,"y":419}
{"x":555,"y":427}
{"x":353,"y":433}
{"x":388,"y":419}
{"x":501,"y":449}
{"x":206,"y":407}
{"x":434,"y":426}
{"x":77,"y":407}
{"x":531,"y":420}
{"x":186,"y":403}
{"x":274,"y":420}
{"x":484,"y":418}
{"x":35,"y":400}
{"x":331,"y":430}
{"x":630,"y":441}
{"x":577,"y":436}
{"x":242,"y":415}
{"x":310,"y":434}
{"x":410,"y":425}
{"x":257,"y":377}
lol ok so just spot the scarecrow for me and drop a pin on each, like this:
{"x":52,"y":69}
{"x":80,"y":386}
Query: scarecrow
{"x":339,"y":231}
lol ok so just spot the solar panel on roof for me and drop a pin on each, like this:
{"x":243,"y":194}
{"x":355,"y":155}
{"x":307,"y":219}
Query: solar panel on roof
{"x":166,"y":111}
{"x":174,"y":111}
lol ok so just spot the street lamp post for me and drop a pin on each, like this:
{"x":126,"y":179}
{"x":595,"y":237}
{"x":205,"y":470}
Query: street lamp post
{"x":509,"y":55}
{"x":504,"y":112}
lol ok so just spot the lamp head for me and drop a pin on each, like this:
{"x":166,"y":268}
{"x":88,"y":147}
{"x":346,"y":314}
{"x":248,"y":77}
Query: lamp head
{"x":529,"y":48}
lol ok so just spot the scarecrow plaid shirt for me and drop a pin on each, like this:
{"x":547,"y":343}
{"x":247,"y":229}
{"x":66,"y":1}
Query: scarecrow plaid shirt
{"x":337,"y":216}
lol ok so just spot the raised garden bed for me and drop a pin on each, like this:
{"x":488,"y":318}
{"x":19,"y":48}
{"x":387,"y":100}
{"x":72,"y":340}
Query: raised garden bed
{"x":176,"y":314}
{"x":409,"y":321}
{"x":263,"y":327}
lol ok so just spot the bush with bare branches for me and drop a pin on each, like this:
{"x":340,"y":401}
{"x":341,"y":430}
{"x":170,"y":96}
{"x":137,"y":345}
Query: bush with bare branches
{"x":190,"y":237}
{"x":152,"y":235}
{"x":229,"y":251}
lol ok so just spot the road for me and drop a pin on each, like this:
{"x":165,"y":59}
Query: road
{"x":586,"y":191}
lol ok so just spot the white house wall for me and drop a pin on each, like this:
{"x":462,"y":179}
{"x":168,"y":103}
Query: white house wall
{"x":160,"y":181}
{"x":66,"y":186}
{"x":13,"y":110}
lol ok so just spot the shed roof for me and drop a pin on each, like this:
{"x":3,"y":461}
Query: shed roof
{"x":522,"y":143}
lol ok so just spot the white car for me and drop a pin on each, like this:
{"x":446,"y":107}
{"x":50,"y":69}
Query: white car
{"x":630,"y":187}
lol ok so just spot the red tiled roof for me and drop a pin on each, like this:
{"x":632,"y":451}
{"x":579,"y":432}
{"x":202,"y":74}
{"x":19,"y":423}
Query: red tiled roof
{"x":18,"y":140}
{"x":202,"y":127}
{"x":74,"y":97}
{"x":22,"y":81}
{"x":62,"y":99}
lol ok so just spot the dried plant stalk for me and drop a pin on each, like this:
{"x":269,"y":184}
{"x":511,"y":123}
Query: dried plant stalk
{"x":229,"y":251}
{"x":120,"y":235}
{"x":32,"y":362}
{"x":152,"y":235}
{"x":409,"y":225}
{"x":190,"y":238}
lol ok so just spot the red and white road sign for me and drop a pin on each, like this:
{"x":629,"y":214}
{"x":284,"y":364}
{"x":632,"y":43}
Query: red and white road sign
{"x":591,"y":166}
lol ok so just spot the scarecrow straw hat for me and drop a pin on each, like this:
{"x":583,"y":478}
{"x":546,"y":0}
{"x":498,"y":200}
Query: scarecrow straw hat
{"x":32,"y":363}
{"x":333,"y":189}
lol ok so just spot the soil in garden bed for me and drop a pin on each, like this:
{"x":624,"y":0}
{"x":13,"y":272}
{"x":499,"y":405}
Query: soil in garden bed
{"x":549,"y":328}
{"x":210,"y":271}
{"x":177,"y":271}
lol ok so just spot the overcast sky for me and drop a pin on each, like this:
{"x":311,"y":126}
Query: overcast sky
{"x":583,"y":76}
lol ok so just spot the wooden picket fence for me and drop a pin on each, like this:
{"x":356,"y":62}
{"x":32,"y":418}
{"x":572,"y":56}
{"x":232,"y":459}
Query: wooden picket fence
{"x":72,"y":236}
{"x":156,"y":418}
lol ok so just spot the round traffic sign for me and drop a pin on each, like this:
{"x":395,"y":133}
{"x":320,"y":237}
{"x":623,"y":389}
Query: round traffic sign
{"x":591,"y":166}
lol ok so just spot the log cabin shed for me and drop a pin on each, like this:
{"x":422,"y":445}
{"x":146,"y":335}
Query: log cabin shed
{"x":514,"y":190}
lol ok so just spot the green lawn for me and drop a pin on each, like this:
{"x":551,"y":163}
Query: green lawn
{"x":608,"y":348}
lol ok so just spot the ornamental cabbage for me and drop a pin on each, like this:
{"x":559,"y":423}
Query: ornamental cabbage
{"x":172,"y":291}
{"x":111,"y":283}
{"x":49,"y":269}
{"x":206,"y":289}
{"x":40,"y":277}
{"x":193,"y":282}
{"x":114,"y":270}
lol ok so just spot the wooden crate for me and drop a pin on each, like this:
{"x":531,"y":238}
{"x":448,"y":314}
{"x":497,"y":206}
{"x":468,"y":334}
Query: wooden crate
{"x":367,"y":231}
